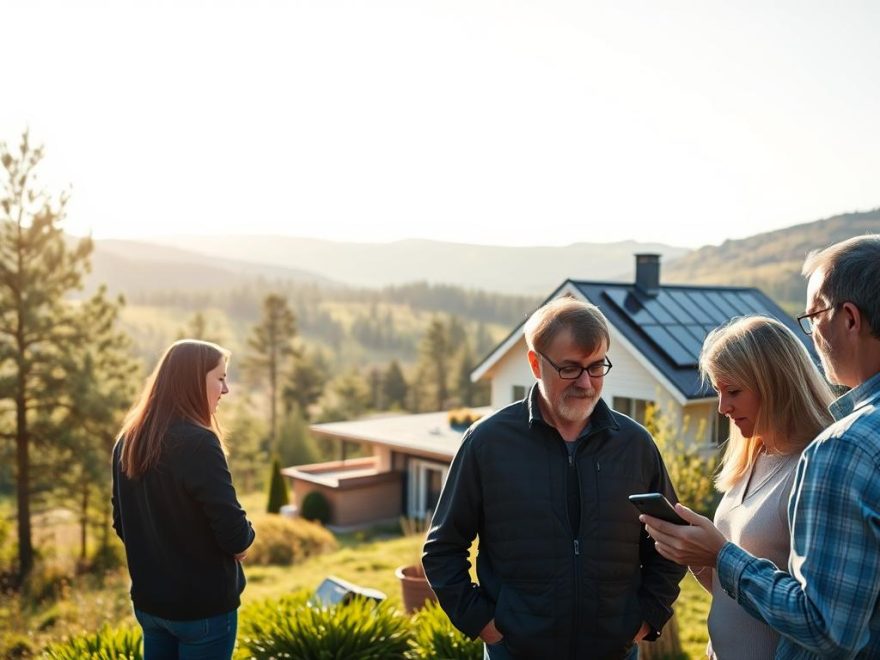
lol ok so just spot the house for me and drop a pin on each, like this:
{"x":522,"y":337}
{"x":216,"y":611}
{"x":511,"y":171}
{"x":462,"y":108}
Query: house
{"x":656,"y":334}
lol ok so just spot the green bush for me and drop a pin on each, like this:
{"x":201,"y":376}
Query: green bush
{"x":283,"y":540}
{"x":434,"y":636}
{"x":690,"y":469}
{"x":106,"y":644}
{"x":16,"y":645}
{"x":290,"y":627}
{"x":315,"y":507}
{"x":278,"y":493}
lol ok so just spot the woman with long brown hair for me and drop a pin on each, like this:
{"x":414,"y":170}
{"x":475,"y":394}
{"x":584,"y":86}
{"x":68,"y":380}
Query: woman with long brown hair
{"x":176,"y":511}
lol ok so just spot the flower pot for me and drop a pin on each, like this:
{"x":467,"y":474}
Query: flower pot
{"x":414,"y":587}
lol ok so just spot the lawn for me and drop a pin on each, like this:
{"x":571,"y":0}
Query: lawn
{"x":368,"y":559}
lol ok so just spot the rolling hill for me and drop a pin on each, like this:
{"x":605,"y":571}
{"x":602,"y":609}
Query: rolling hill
{"x":771,"y":261}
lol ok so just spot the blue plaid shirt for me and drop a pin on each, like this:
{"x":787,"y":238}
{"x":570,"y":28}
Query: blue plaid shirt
{"x":827,"y":605}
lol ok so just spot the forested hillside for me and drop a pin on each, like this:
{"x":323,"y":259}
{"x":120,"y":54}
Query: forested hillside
{"x":772,"y":261}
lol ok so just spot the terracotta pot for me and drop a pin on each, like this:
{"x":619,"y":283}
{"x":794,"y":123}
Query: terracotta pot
{"x":414,"y":587}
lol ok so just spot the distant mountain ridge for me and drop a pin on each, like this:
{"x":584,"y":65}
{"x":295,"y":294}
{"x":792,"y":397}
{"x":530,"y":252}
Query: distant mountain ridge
{"x":138,"y":267}
{"x":513,"y":270}
{"x":771,"y":261}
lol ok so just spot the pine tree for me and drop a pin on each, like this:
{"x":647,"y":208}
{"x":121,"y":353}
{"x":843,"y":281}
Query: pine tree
{"x":37,"y":326}
{"x":271,"y":344}
{"x":305,"y":385}
{"x":278,"y":493}
{"x":99,"y":388}
{"x":435,"y":355}
{"x":394,"y":386}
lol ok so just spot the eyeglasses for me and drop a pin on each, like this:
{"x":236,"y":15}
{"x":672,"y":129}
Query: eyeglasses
{"x":574,"y":371}
{"x":806,"y":320}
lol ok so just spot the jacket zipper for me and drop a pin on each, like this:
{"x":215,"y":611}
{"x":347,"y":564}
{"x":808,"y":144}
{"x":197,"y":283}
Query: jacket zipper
{"x":576,"y":614}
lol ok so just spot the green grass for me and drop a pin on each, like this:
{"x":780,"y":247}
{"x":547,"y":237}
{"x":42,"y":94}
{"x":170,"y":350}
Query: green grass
{"x":692,"y":609}
{"x":84,"y":604}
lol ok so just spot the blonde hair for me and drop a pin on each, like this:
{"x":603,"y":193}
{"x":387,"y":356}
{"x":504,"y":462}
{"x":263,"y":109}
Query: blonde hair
{"x":176,"y":390}
{"x":584,"y":320}
{"x":760,"y":354}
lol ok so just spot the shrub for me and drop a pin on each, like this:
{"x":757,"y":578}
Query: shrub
{"x":434,"y":636}
{"x":462,"y":417}
{"x":16,"y":645}
{"x":290,"y":627}
{"x":106,"y":644}
{"x":278,"y":493}
{"x":283,"y":540}
{"x":690,"y":470}
{"x":315,"y":507}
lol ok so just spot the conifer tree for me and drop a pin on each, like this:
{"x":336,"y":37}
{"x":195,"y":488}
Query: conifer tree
{"x":278,"y":493}
{"x":38,"y":269}
{"x":271,"y":345}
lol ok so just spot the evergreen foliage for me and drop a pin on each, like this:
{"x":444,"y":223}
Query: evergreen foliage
{"x":394,"y":386}
{"x":105,"y":644}
{"x":434,"y":636}
{"x":690,"y":469}
{"x":315,"y":506}
{"x":278,"y":493}
{"x":271,"y":348}
{"x":46,"y":342}
{"x":291,"y":627}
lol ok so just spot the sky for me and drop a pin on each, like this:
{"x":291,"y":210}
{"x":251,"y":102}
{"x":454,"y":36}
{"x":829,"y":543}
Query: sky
{"x":524,"y":122}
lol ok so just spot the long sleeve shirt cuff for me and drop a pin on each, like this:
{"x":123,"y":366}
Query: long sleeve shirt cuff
{"x":732,"y":561}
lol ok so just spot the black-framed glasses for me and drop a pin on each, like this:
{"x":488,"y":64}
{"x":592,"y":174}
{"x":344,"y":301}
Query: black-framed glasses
{"x":806,"y":320}
{"x":574,"y":371}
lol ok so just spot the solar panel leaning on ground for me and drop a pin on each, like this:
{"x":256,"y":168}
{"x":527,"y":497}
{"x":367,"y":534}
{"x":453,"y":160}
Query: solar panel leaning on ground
{"x":677,"y":319}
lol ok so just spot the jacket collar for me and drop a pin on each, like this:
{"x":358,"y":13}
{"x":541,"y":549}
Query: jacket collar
{"x":600,"y":419}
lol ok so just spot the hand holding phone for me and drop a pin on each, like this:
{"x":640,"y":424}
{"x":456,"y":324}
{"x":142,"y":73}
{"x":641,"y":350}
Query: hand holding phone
{"x":654,"y":504}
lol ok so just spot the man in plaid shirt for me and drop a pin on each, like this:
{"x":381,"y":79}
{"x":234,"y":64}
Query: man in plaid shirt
{"x":827,"y":605}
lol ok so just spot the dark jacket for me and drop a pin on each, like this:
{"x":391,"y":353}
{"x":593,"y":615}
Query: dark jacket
{"x":553,"y":593}
{"x":181,"y":525}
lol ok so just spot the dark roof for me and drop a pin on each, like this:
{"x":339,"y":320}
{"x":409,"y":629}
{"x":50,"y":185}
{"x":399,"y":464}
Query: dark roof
{"x":669,"y":328}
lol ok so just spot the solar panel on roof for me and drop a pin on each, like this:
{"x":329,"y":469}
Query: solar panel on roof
{"x":712,"y":313}
{"x":683,"y":299}
{"x":655,"y":309}
{"x":686,"y":339}
{"x":674,"y":308}
{"x":669,"y":345}
{"x":630,"y":305}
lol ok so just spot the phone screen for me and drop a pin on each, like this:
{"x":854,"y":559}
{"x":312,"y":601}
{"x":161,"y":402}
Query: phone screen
{"x":656,"y":505}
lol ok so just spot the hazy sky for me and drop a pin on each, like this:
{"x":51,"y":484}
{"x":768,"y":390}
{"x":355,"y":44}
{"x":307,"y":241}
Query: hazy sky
{"x":519,"y":122}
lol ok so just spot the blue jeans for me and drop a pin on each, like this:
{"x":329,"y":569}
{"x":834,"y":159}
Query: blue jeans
{"x":199,"y":639}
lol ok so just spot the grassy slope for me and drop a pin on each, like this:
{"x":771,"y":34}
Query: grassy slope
{"x":83,"y":604}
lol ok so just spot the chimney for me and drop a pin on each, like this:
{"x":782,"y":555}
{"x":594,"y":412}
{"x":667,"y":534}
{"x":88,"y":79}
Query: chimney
{"x":648,"y":273}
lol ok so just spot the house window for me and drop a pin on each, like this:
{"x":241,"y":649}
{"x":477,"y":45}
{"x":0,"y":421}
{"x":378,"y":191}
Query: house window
{"x":635,"y":408}
{"x":721,"y":431}
{"x":425,"y":483}
{"x":519,"y":392}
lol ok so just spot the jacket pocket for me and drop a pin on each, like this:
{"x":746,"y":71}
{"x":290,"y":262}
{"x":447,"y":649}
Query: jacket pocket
{"x":527,"y":613}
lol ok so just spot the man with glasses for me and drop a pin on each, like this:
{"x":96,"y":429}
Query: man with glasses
{"x":828,"y":604}
{"x":565,"y":569}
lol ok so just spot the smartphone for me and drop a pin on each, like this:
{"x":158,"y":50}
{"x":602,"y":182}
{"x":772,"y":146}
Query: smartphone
{"x":654,"y":504}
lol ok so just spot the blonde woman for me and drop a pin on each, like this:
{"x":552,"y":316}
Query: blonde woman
{"x":175,"y":508}
{"x":777,"y":402}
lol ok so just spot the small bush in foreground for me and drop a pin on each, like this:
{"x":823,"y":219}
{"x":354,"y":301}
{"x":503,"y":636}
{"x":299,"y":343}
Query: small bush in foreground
{"x":434,"y":636}
{"x":283,"y":540}
{"x":106,"y":644}
{"x":290,"y":627}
